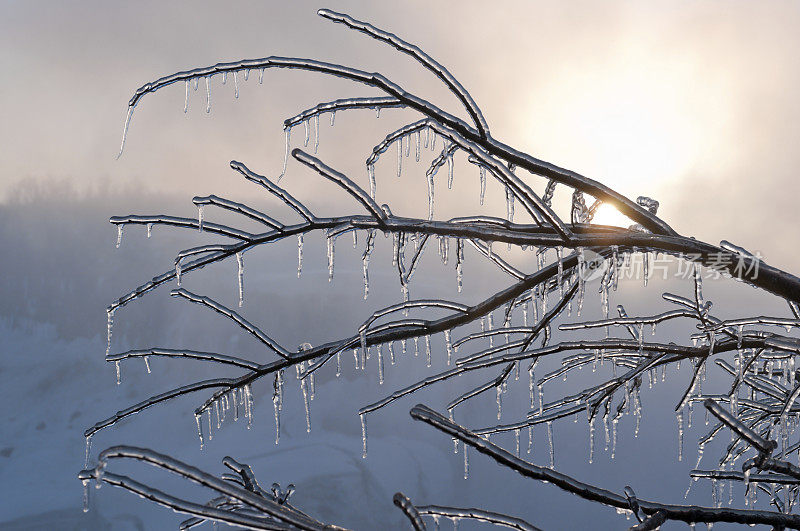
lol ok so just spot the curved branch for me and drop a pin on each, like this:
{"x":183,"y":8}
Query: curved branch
{"x":685,"y":513}
{"x":343,"y":181}
{"x":423,"y":58}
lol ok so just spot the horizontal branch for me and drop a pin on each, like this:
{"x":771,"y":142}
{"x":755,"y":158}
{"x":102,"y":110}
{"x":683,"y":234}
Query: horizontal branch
{"x":685,"y":513}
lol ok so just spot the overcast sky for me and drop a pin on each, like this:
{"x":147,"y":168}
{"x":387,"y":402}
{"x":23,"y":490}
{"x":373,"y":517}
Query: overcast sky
{"x":692,"y":103}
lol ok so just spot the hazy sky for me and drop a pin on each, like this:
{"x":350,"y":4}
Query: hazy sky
{"x":692,"y":103}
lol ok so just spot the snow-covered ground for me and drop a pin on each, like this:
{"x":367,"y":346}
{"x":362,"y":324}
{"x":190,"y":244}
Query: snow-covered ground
{"x":54,"y":384}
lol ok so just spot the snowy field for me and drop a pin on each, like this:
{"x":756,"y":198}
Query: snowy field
{"x":54,"y":384}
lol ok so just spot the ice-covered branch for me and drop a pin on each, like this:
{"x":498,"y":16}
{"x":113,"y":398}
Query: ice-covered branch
{"x":262,"y":504}
{"x":188,"y":354}
{"x":240,"y":208}
{"x":233,"y":316}
{"x":764,"y":446}
{"x":426,"y":60}
{"x":411,"y":512}
{"x":480,"y":515}
{"x":343,"y":181}
{"x":274,"y":189}
{"x":685,"y":513}
{"x":332,"y":107}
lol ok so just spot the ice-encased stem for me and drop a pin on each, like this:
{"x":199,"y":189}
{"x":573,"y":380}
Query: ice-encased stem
{"x":363,"y":418}
{"x":208,"y":94}
{"x":482,"y":173}
{"x":240,"y":276}
{"x":299,"y":254}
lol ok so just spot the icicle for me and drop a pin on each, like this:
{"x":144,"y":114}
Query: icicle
{"x":646,"y":265}
{"x":261,"y":76}
{"x":88,"y":449}
{"x":399,"y":157}
{"x":516,"y":437}
{"x":416,"y":144}
{"x":363,"y":435}
{"x":119,"y":235}
{"x":550,"y":442}
{"x":581,"y":280}
{"x":299,"y":254}
{"x":333,"y":117}
{"x":199,"y":429}
{"x":235,"y":86}
{"x":530,"y":438}
{"x":85,"y":483}
{"x":288,"y":136}
{"x":482,"y":173}
{"x":109,"y":325}
{"x":304,"y":387}
{"x":428,"y":349}
{"x":246,"y":74}
{"x":119,"y":376}
{"x":450,"y":172}
{"x":362,"y":336}
{"x":430,"y":196}
{"x":460,"y":264}
{"x":591,"y":440}
{"x":614,"y":423}
{"x":391,"y":352}
{"x":499,"y":390}
{"x":186,"y":98}
{"x":640,"y":336}
{"x":380,"y":364}
{"x":307,"y":133}
{"x":490,"y":321}
{"x":530,"y":384}
{"x":316,"y":132}
{"x":248,"y":406}
{"x":365,"y":261}
{"x":466,"y":462}
{"x":448,"y":346}
{"x":330,"y":258}
{"x":240,"y":276}
{"x":149,"y":229}
{"x":208,"y":94}
{"x":125,"y":131}
{"x":680,"y":434}
{"x":147,"y":363}
{"x":509,"y":204}
{"x":377,"y":112}
{"x":224,"y":77}
{"x":372,"y":184}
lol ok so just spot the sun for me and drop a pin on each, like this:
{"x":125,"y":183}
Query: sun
{"x":608,"y":215}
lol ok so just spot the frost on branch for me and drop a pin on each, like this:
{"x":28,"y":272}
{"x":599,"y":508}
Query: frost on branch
{"x":568,"y":259}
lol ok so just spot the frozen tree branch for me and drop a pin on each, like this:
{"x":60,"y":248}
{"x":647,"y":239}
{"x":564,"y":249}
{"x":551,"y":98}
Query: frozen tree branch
{"x":760,"y":408}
